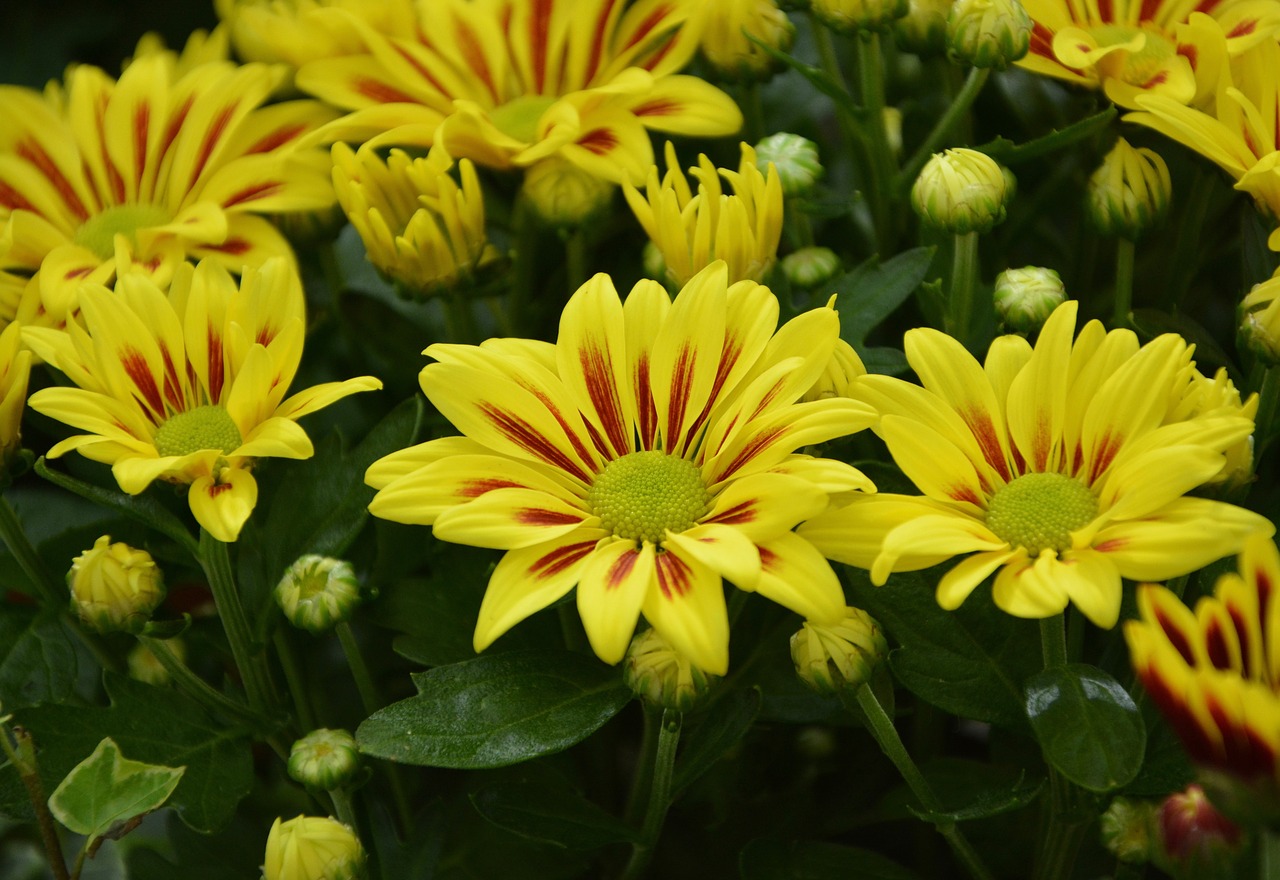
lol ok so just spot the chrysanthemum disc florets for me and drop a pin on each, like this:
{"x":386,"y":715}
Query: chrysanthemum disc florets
{"x":98,"y":233}
{"x":1040,"y":511}
{"x":641,"y":495}
{"x":205,"y":427}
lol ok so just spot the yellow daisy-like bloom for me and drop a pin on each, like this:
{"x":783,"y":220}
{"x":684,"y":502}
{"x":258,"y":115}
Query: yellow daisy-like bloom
{"x":1129,"y":48}
{"x":142,"y":174}
{"x":188,"y":387}
{"x":418,"y":226}
{"x":692,"y":229}
{"x":508,"y":83}
{"x":15,"y":371}
{"x":1242,"y":134}
{"x":286,"y":31}
{"x":1215,"y":674}
{"x":1055,"y":466}
{"x":648,"y":453}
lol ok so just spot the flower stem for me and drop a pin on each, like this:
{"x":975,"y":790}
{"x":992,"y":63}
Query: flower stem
{"x":1061,"y":831}
{"x":661,"y":768}
{"x":752,"y":112}
{"x":216,"y":562}
{"x":964,"y":277}
{"x":53,"y":594}
{"x":1053,"y":640}
{"x":886,"y":736}
{"x":959,"y":106}
{"x":882,"y":171}
{"x":576,"y":258}
{"x":1268,"y":388}
{"x":194,"y":686}
{"x":22,"y":755}
{"x":295,"y":681}
{"x":1120,"y":316}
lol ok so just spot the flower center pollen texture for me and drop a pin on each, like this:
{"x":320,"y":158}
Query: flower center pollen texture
{"x":641,"y":495}
{"x":206,"y":427}
{"x":98,"y":233}
{"x":1040,"y":511}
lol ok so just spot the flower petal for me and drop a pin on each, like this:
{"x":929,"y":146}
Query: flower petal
{"x":949,"y":534}
{"x":796,"y":576}
{"x":592,"y":361}
{"x":965,"y":576}
{"x":615,"y":582}
{"x":222,"y":506}
{"x":1031,"y":588}
{"x":723,"y":548}
{"x":506,"y":519}
{"x":764,"y":505}
{"x":688,"y":610}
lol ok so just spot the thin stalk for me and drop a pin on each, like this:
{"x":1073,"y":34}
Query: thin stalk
{"x":53,"y":592}
{"x":525,"y":235}
{"x":799,"y":229}
{"x":1186,"y":243}
{"x":882,"y":171}
{"x":964,"y":99}
{"x":1268,"y":854}
{"x":22,"y":755}
{"x":296,"y":681}
{"x":644,"y":768}
{"x":886,"y":736}
{"x":1268,"y":404}
{"x":752,"y":112}
{"x":459,"y":319}
{"x":964,"y":278}
{"x":216,"y":562}
{"x":343,"y":808}
{"x":1120,"y":315}
{"x":1053,"y":640}
{"x":1061,"y":831}
{"x":194,"y":686}
{"x":664,"y":762}
{"x":576,"y":258}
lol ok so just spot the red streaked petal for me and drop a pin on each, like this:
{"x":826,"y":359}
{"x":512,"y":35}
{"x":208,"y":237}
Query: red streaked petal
{"x":507,"y":519}
{"x":615,"y":581}
{"x":592,"y":361}
{"x":688,"y":610}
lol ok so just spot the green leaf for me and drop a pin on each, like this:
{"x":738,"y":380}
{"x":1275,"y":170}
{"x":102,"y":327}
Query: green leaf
{"x":234,"y":853}
{"x":984,"y":799}
{"x":969,"y":662}
{"x":884,"y":360}
{"x":37,"y":658}
{"x":496,"y":710}
{"x":551,"y":814}
{"x":155,"y":725}
{"x":815,"y":75}
{"x":719,"y":730}
{"x":106,"y":789}
{"x":1154,"y":322}
{"x":871,"y":292}
{"x":1087,"y":725}
{"x":1006,"y":152}
{"x":768,"y":859}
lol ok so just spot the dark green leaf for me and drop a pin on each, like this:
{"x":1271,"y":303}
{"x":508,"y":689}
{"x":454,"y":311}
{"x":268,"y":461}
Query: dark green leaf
{"x":552,"y":814}
{"x":496,"y":710}
{"x":873,"y":290}
{"x":719,"y":730}
{"x":235,"y":853}
{"x":155,"y":725}
{"x":768,"y":859}
{"x":1166,"y":768}
{"x":1087,"y":725}
{"x":1153,"y":322}
{"x":37,"y":658}
{"x":884,"y":360}
{"x":1006,"y":152}
{"x":986,"y":800}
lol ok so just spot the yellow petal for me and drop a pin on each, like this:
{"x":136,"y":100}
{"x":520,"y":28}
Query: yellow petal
{"x":687,"y":609}
{"x":222,"y":506}
{"x":614,"y":583}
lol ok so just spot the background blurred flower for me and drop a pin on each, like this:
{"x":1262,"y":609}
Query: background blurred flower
{"x":286,"y":30}
{"x":726,"y":46}
{"x":1129,"y":192}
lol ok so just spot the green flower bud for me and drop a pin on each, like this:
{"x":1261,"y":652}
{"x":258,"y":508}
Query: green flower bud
{"x":313,"y":848}
{"x":837,"y":378}
{"x":660,"y":676}
{"x":811,"y":266}
{"x":324,"y":758}
{"x":988,"y":33}
{"x":1026,"y":297}
{"x":318,"y":592}
{"x":1129,"y":192}
{"x":1127,"y":830}
{"x":144,"y":667}
{"x":839,"y":657}
{"x":923,"y":30}
{"x":960,"y":191}
{"x":795,"y":158}
{"x":847,"y":16}
{"x":562,"y":194}
{"x":115,"y":587}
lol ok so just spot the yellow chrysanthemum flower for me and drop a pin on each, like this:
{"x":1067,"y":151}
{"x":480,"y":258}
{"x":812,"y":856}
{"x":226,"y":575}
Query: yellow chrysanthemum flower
{"x":508,"y":83}
{"x":1242,"y":134}
{"x":1260,"y":319}
{"x":418,"y":226}
{"x":1215,"y":674}
{"x":285,"y":30}
{"x":692,"y":229}
{"x":142,"y":174}
{"x":648,"y":453}
{"x":15,"y":372}
{"x":1055,"y":466}
{"x":188,"y":387}
{"x":1129,"y":48}
{"x":726,"y":46}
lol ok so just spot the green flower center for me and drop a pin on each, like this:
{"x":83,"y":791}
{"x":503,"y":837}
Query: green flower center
{"x":641,"y":495}
{"x":1040,"y":511}
{"x":519,"y":118}
{"x":98,"y":233}
{"x":1138,"y":67}
{"x":206,"y":427}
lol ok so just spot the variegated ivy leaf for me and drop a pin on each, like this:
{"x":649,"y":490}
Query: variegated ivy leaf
{"x":106,"y":789}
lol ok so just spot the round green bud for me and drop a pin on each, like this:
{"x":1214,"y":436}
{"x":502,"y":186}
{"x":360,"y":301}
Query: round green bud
{"x":811,"y":266}
{"x":313,"y":848}
{"x":144,"y":667}
{"x":325,"y":759}
{"x":1127,"y":828}
{"x":317,"y":593}
{"x":848,"y":16}
{"x":661,"y":676}
{"x":960,"y":191}
{"x":988,"y":33}
{"x":841,"y":656}
{"x":563,"y":195}
{"x":115,"y":587}
{"x":1026,"y":297}
{"x":923,"y":30}
{"x":795,"y":158}
{"x":1129,"y":192}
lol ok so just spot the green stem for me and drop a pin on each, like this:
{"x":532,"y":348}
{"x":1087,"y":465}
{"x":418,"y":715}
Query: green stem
{"x":886,"y":736}
{"x":459,"y":319}
{"x":53,"y":593}
{"x":194,"y":686}
{"x":525,"y":235}
{"x":644,"y":768}
{"x":79,"y":865}
{"x":959,"y":106}
{"x":1186,"y":249}
{"x":22,"y":755}
{"x":799,"y":229}
{"x":576,"y":258}
{"x":344,"y":808}
{"x":752,"y":112}
{"x":664,"y":762}
{"x":1053,"y":640}
{"x":882,"y":171}
{"x":295,"y":680}
{"x":216,"y":562}
{"x":964,"y":277}
{"x":1061,"y":831}
{"x":1120,"y":315}
{"x":1268,"y":404}
{"x":1268,"y":854}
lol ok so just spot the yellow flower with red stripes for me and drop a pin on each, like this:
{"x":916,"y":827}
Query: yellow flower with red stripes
{"x":187,"y":387}
{"x":647,"y":454}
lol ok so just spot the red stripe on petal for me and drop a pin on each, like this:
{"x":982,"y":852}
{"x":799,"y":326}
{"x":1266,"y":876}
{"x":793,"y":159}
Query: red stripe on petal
{"x":1105,"y":12}
{"x":1103,"y":454}
{"x":536,"y":516}
{"x":743,"y":512}
{"x":758,"y":444}
{"x":1042,"y":41}
{"x":599,"y":141}
{"x":964,"y":493}
{"x":172,"y":387}
{"x":621,"y":570}
{"x":646,"y":410}
{"x":214,"y":341}
{"x":603,"y":393}
{"x":136,"y":366}
{"x":560,"y":558}
{"x":1215,"y":642}
{"x":476,"y":488}
{"x":597,"y":41}
{"x":539,"y":36}
{"x":649,"y":25}
{"x":768,"y":559}
{"x":12,"y":199}
{"x":658,"y":107}
{"x":1199,"y":743}
{"x":675,"y":578}
{"x":232,"y":246}
{"x":1247,"y":26}
{"x":175,"y":125}
{"x":278,"y":138}
{"x":681,"y":389}
{"x":211,"y":139}
{"x":984,"y":431}
{"x":253,"y":193}
{"x":1176,"y":637}
{"x":35,"y":154}
{"x":141,"y":129}
{"x":574,"y":440}
{"x":381,"y":92}
{"x":473,"y":53}
{"x":520,"y":432}
{"x":1149,"y":10}
{"x":1241,"y":625}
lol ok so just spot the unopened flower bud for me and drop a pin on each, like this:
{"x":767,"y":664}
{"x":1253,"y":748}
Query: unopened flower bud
{"x":923,"y":30}
{"x":1026,"y":297}
{"x":661,"y":676}
{"x":564,"y":195}
{"x":1194,"y":839}
{"x":115,"y":587}
{"x":841,"y":656}
{"x":1129,"y":192}
{"x":988,"y":33}
{"x":731,"y":53}
{"x":960,"y":191}
{"x":847,"y":16}
{"x":313,"y":848}
{"x":1127,"y":828}
{"x":893,"y":130}
{"x":843,"y":367}
{"x":318,"y":592}
{"x":324,"y":758}
{"x":795,"y":158}
{"x":1260,"y":320}
{"x":144,"y":667}
{"x":15,"y":371}
{"x":811,"y":266}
